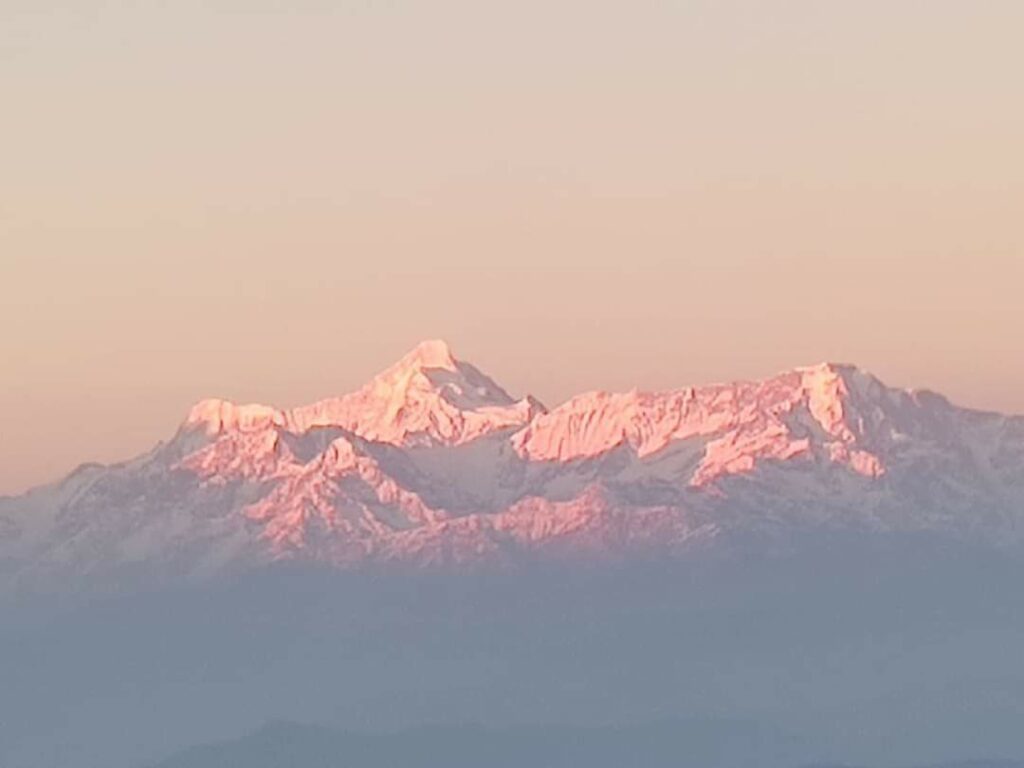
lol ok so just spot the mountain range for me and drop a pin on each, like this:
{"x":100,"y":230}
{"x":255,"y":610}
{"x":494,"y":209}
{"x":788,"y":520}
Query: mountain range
{"x":824,"y":566}
{"x":432,"y":464}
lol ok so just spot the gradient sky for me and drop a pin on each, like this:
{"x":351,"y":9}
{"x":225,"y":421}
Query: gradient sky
{"x":270,"y":201}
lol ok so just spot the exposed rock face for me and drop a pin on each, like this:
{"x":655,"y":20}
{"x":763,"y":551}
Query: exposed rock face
{"x":433,"y":463}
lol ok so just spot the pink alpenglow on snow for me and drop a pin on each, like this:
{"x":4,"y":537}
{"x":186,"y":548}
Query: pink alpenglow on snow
{"x":432,"y":462}
{"x":746,"y":423}
{"x":427,"y":396}
{"x":349,"y":501}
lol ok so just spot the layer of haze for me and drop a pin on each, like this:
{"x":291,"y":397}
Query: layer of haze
{"x":271,"y":200}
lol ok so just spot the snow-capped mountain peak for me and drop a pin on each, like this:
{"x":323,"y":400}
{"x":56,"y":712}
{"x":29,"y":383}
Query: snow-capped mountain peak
{"x":794,"y":415}
{"x":432,"y":353}
{"x":432,"y":368}
{"x":428,"y":396}
{"x":432,"y":461}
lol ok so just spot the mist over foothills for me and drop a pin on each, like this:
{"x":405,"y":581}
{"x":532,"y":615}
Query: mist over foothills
{"x":568,"y":384}
{"x":810,"y":568}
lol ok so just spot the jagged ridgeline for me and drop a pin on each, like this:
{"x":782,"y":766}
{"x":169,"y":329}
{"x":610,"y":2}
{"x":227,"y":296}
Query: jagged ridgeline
{"x":434,"y":464}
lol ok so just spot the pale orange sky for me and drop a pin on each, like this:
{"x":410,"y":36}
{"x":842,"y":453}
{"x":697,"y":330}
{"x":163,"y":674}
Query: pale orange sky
{"x":270,"y":201}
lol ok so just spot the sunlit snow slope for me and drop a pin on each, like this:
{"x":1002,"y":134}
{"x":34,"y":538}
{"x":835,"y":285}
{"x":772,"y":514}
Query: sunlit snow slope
{"x":433,"y":463}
